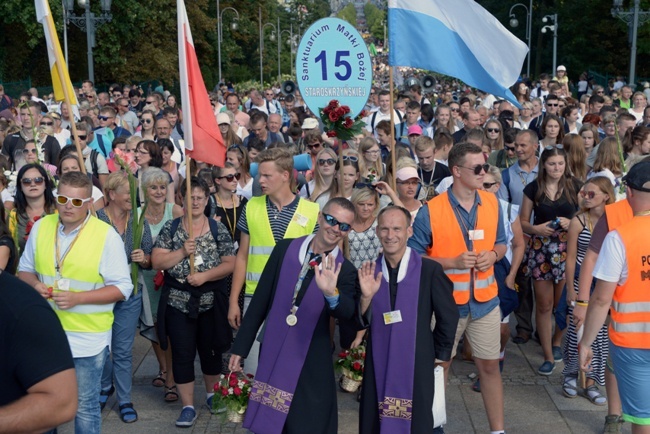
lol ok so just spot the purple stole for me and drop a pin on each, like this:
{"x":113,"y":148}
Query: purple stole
{"x":284,"y":349}
{"x":393,"y":346}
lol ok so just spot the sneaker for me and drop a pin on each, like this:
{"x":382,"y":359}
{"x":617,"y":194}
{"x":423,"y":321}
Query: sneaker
{"x":557,"y":354}
{"x":209,"y":403}
{"x":187,"y":417}
{"x":546,"y":368}
{"x":613,"y":423}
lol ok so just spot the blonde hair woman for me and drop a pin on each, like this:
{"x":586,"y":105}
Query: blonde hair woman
{"x":324,"y":185}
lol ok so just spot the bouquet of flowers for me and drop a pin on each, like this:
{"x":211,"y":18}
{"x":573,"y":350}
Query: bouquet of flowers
{"x":351,"y":364}
{"x":128,"y":164}
{"x":337,"y":122}
{"x":232,"y":391}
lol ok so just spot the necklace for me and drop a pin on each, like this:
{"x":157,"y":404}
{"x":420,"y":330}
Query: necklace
{"x":231,"y":226}
{"x":114,"y":224}
{"x":154,"y":218}
{"x":642,"y":213}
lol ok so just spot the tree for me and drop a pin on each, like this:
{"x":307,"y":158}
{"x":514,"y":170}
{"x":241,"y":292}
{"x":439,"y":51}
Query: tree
{"x":349,"y":14}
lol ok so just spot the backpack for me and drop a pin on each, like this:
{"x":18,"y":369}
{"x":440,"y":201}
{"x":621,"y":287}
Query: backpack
{"x":505,"y":178}
{"x":93,"y":163}
{"x":399,"y":116}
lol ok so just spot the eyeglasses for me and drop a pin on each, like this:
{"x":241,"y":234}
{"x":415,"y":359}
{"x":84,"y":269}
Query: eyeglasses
{"x":46,"y":124}
{"x":350,"y":158}
{"x":509,"y":148}
{"x":314,"y":146}
{"x":493,"y":130}
{"x":150,"y":102}
{"x":333,"y":222}
{"x":478,"y":168}
{"x":588,"y":194}
{"x":372,"y":152}
{"x":410,"y":182}
{"x":552,"y":105}
{"x":489,"y":185}
{"x":104,"y":118}
{"x":147,"y":121}
{"x":231,"y":177}
{"x":29,"y":151}
{"x":454,"y":109}
{"x":328,"y":161}
{"x":550,"y":147}
{"x":76,"y":202}
{"x":29,"y":181}
{"x":126,"y":106}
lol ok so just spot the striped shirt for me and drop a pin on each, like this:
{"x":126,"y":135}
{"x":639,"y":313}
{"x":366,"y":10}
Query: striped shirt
{"x":279,"y":220}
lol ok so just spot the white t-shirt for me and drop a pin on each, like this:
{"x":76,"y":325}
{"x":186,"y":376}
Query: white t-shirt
{"x":62,"y":137}
{"x":444,"y":184}
{"x":611,"y":265}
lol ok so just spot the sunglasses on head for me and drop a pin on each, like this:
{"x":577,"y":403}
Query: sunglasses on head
{"x":76,"y":202}
{"x":478,"y":168}
{"x":46,"y":124}
{"x":488,"y":185}
{"x":493,"y":130}
{"x":231,"y":177}
{"x":333,"y":222}
{"x":29,"y":151}
{"x":352,"y":158}
{"x":29,"y":181}
{"x":328,"y":161}
{"x":549,"y":147}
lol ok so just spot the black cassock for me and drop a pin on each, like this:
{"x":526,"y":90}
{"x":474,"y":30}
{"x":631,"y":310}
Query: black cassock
{"x":314,"y":406}
{"x":435,"y":297}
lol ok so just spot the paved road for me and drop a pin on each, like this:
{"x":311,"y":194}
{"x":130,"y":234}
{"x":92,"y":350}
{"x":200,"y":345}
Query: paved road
{"x":533,"y":404}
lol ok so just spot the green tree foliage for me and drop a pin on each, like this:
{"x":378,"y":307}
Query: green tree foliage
{"x":375,"y":20}
{"x":349,"y":14}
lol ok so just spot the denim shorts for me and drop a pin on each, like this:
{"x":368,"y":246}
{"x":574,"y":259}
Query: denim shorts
{"x":633,"y":376}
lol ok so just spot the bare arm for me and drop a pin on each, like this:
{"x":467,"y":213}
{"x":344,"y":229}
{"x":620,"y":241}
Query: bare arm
{"x":238,"y":280}
{"x":219,"y":272}
{"x":177,"y":211}
{"x":32,"y":280}
{"x":571,"y":254}
{"x":525,"y":212}
{"x":518,"y":251}
{"x":4,"y":256}
{"x":48,"y":403}
{"x":599,"y":304}
{"x":171,"y":193}
{"x":102,"y":178}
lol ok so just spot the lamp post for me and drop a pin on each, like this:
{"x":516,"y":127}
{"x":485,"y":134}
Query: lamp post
{"x":634,"y":17}
{"x":88,"y":23}
{"x":514,"y":22}
{"x":272,"y":38}
{"x":289,"y":41}
{"x":233,"y":26}
{"x":552,"y":27}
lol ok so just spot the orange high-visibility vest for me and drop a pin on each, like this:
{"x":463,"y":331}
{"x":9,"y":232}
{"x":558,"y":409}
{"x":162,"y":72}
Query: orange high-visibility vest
{"x":630,"y":310}
{"x":618,"y":213}
{"x":448,"y":242}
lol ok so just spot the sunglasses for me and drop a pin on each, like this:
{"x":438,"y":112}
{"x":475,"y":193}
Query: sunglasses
{"x":46,"y":124}
{"x":124,"y":105}
{"x":147,"y":121}
{"x":493,"y":130}
{"x":550,"y":147}
{"x":552,"y":105}
{"x":149,"y":102}
{"x":478,"y":169}
{"x":454,"y":109}
{"x":365,"y":185}
{"x":488,"y":185}
{"x":333,"y":222}
{"x":231,"y":177}
{"x":314,"y":146}
{"x":509,"y":148}
{"x":350,"y":158}
{"x":29,"y":151}
{"x":328,"y":161}
{"x":410,"y":182}
{"x":76,"y":202}
{"x":104,"y":118}
{"x":588,"y":194}
{"x":29,"y":181}
{"x":82,"y":137}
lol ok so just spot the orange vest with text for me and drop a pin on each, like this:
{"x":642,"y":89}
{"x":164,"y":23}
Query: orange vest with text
{"x":448,"y":242}
{"x":630,"y":310}
{"x":618,"y":213}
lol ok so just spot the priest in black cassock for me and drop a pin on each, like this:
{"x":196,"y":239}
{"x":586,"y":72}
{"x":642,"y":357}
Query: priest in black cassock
{"x":397,"y":304}
{"x":294,"y":389}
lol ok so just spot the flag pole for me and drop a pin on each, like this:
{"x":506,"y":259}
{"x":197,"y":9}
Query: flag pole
{"x":188,"y":206}
{"x":392,"y":131}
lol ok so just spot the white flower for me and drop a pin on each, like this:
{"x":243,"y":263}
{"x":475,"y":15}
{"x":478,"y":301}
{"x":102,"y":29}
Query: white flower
{"x":230,"y":391}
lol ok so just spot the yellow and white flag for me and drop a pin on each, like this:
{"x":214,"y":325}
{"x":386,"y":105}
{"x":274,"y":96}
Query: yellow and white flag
{"x":44,"y":16}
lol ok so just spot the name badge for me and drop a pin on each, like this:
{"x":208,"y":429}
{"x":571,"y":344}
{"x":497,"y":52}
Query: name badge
{"x":235,"y":246}
{"x":392,"y":317}
{"x":198,"y":260}
{"x":301,"y":220}
{"x":476,"y":235}
{"x":62,"y":285}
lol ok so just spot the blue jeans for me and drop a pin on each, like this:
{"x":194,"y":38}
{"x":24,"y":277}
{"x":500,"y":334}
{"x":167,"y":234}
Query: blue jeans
{"x":89,"y":373}
{"x":120,"y":366}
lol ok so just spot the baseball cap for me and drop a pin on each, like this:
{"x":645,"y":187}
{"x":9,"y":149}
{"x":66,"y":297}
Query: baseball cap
{"x":407,"y":173}
{"x":415,"y":129}
{"x":638,"y":178}
{"x":561,"y":68}
{"x":309,"y":124}
{"x":223,"y":118}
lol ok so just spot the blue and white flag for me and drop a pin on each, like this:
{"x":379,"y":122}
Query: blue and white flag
{"x":458,"y":38}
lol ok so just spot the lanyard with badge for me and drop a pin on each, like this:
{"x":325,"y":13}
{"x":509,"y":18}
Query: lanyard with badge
{"x":60,"y":283}
{"x":308,"y":262}
{"x":472,"y":234}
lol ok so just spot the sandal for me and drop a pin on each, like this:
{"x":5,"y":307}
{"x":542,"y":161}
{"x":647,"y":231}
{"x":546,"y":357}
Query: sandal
{"x":171,"y":394}
{"x":476,"y":387}
{"x":128,"y":413}
{"x":159,"y":381}
{"x":592,"y":393}
{"x":570,"y":387}
{"x":104,"y":395}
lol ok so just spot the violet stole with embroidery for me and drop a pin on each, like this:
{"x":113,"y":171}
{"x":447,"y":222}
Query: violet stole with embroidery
{"x":285,"y":348}
{"x":393,"y":347}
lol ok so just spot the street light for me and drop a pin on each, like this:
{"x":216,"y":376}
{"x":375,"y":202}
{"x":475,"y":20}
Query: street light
{"x":634,"y":17}
{"x":553,"y":27}
{"x":272,"y":38}
{"x":529,"y":20}
{"x":233,"y":26}
{"x":280,"y":32}
{"x":88,"y":23}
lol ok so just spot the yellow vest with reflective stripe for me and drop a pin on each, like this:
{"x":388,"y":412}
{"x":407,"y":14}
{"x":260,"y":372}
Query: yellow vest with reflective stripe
{"x":261,"y":236}
{"x":81,"y":268}
{"x":630,"y":310}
